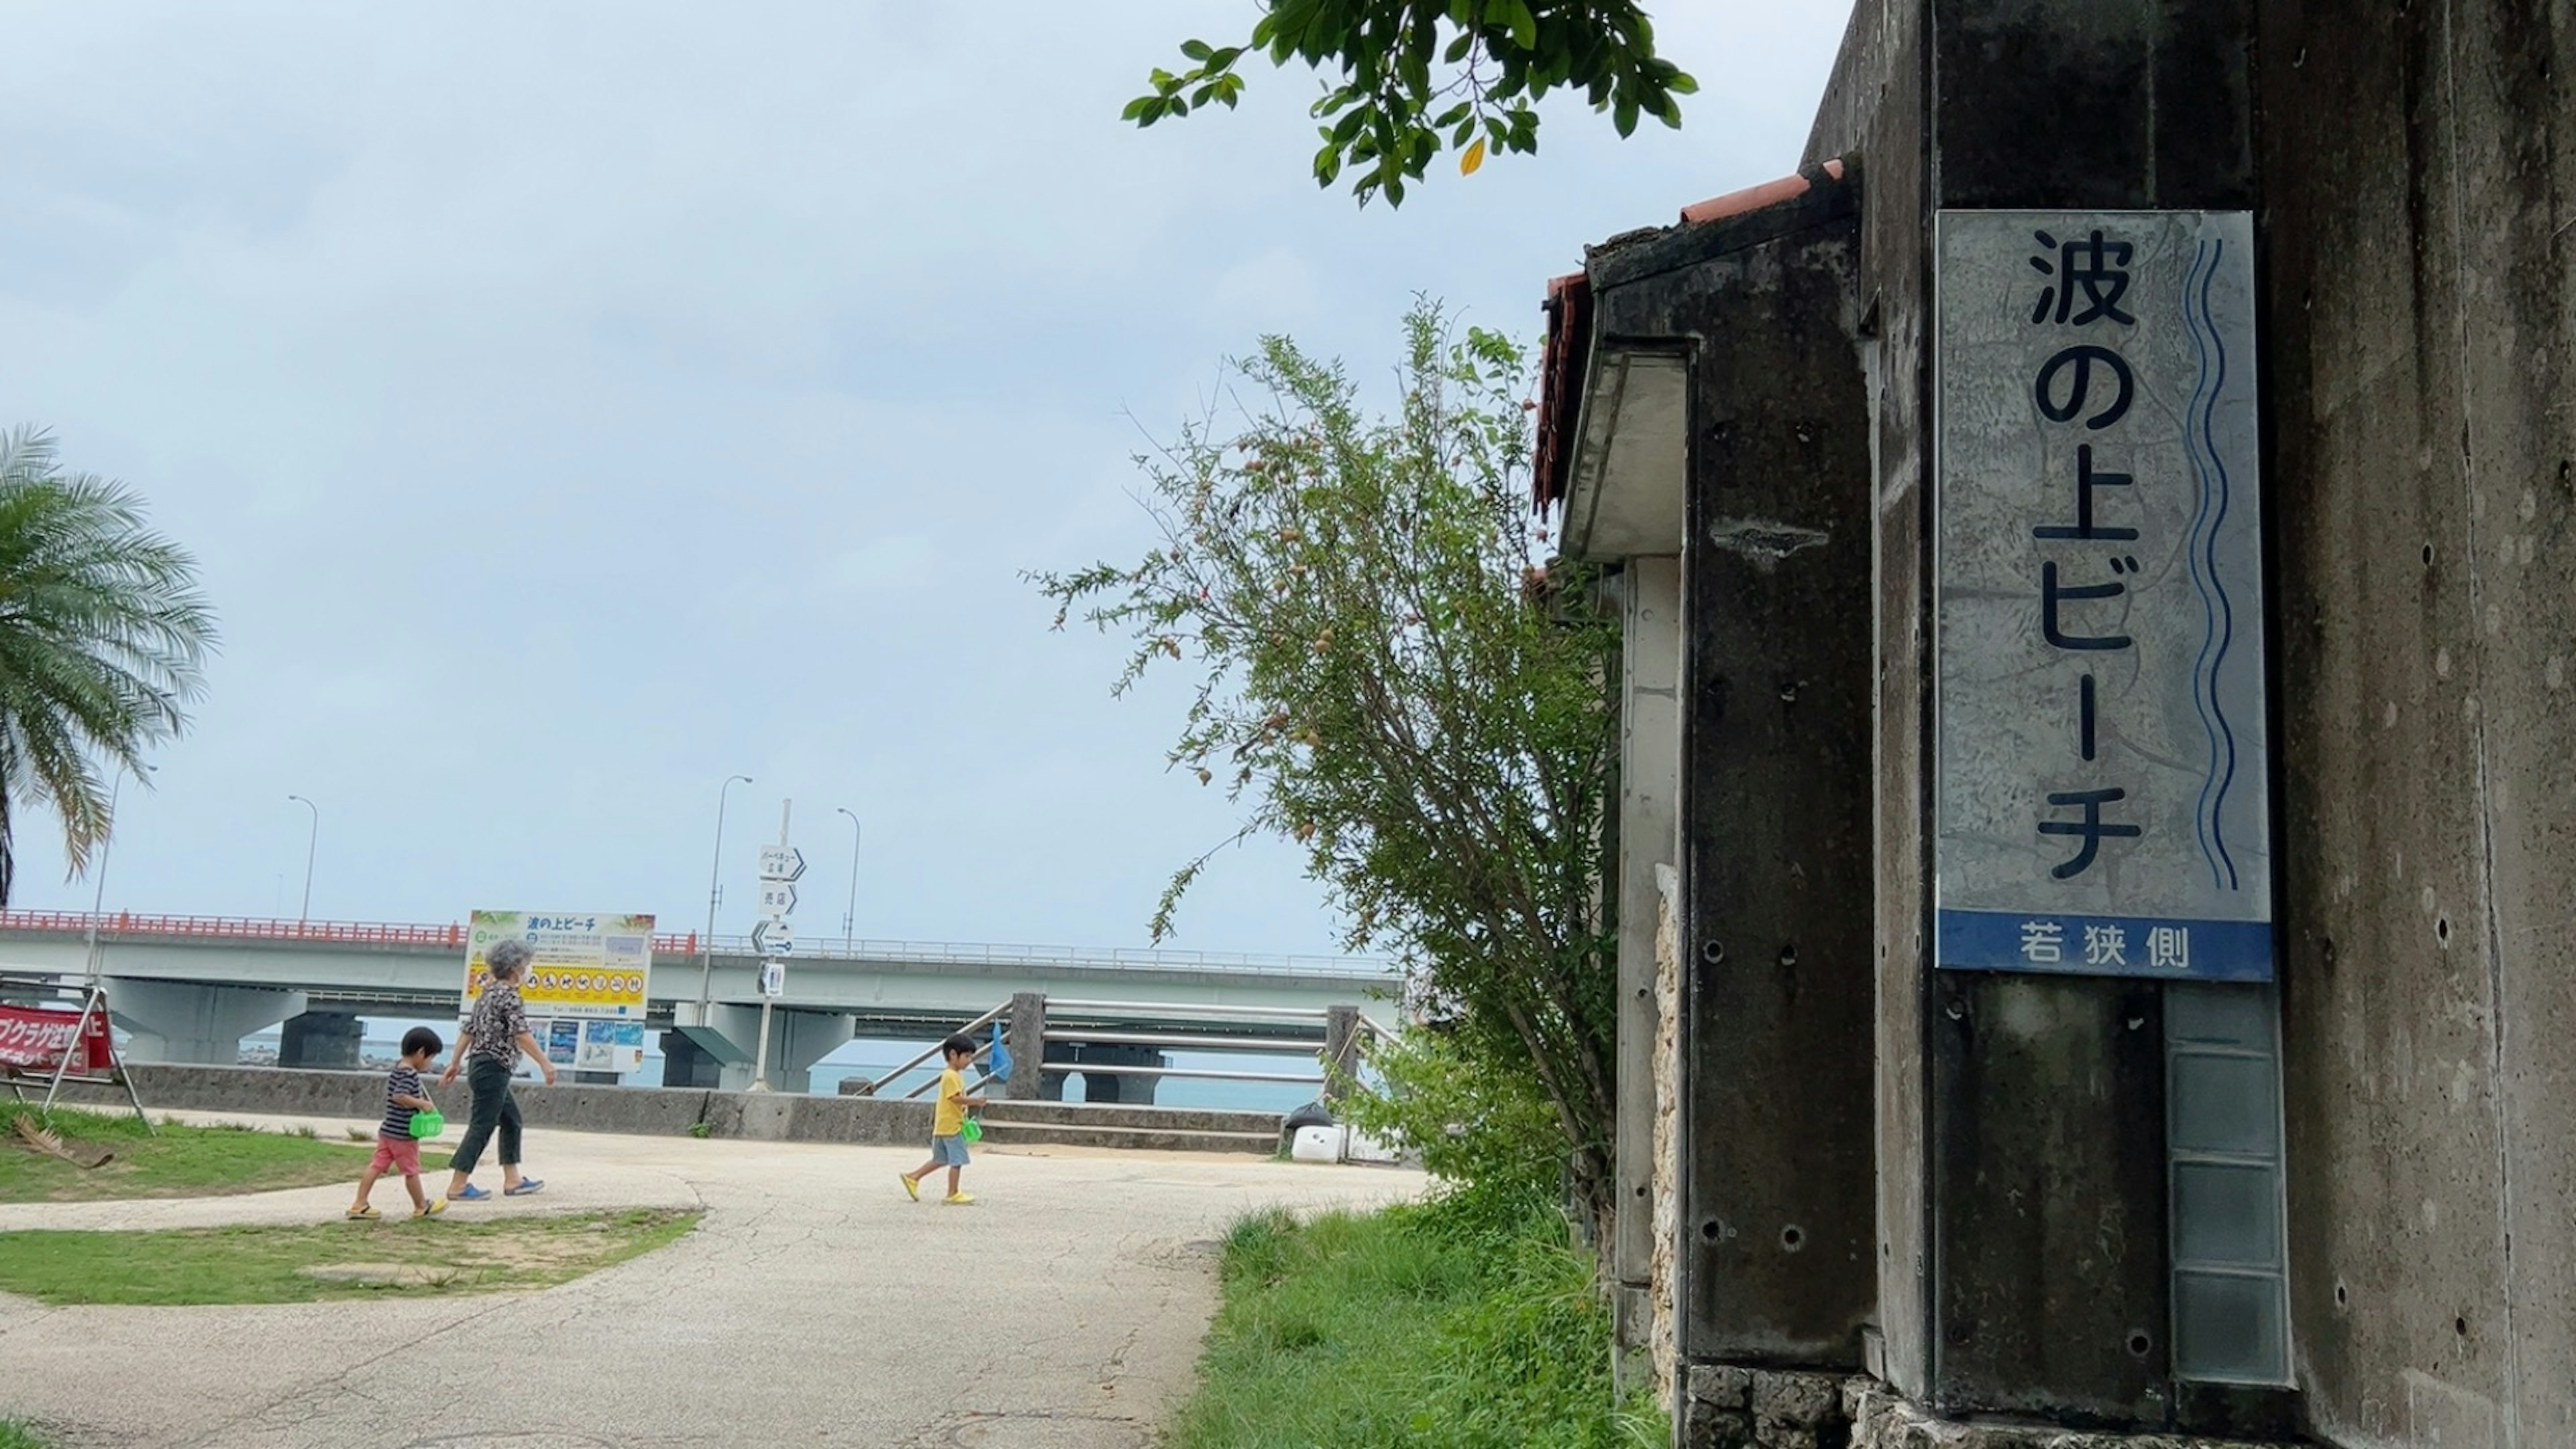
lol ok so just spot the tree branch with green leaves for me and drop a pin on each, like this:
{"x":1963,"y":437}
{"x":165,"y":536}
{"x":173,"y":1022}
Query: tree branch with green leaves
{"x":1387,"y":674}
{"x":1418,"y":75}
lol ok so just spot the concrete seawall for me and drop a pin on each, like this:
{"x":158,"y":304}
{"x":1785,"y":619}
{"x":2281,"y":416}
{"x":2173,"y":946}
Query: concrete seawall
{"x":644,"y":1111}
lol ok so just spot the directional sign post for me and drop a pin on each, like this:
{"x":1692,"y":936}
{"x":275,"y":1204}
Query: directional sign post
{"x":773,"y":940}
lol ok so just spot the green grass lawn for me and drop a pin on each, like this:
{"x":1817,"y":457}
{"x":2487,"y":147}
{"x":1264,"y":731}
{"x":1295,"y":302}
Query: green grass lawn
{"x":276,"y":1264}
{"x":15,"y":1435}
{"x":1413,"y":1325}
{"x":176,"y":1161}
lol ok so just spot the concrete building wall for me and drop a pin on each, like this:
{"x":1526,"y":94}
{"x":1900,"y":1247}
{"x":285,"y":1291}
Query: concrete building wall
{"x":2420,"y":169}
{"x":1873,"y":110}
{"x":1648,"y":839}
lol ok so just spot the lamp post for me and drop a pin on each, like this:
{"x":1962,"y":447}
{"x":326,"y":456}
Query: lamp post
{"x":715,"y":873}
{"x":312,"y":838}
{"x":98,"y":897}
{"x":850,"y":917}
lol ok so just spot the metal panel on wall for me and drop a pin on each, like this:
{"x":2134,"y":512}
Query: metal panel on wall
{"x":2101,"y":797}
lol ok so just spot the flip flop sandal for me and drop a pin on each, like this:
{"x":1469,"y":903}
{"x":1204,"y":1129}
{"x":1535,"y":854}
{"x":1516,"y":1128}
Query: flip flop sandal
{"x":470,"y":1194}
{"x":362,"y":1215}
{"x":526,"y":1186}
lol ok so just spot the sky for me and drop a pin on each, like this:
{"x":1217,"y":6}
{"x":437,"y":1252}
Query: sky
{"x":570,"y":406}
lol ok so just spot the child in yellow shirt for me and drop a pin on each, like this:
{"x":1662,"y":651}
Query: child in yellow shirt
{"x":948,"y":1125}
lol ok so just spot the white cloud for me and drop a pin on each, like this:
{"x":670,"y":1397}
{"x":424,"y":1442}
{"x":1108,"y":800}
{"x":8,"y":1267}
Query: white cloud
{"x":489,"y":352}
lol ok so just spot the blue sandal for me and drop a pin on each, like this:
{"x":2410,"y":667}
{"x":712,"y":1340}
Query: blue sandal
{"x":526,"y":1186}
{"x":470,"y":1194}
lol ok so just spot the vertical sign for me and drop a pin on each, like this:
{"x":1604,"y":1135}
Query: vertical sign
{"x":2102,"y":799}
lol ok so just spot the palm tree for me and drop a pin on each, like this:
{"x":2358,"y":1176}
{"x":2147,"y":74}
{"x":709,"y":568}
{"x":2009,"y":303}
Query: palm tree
{"x":103,"y":642}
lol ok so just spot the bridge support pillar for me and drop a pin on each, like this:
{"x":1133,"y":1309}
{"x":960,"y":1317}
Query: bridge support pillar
{"x":797,"y":1040}
{"x":1133,"y":1091}
{"x":179,"y":1022}
{"x":321,"y":1040}
{"x":728,"y":1035}
{"x":685,"y":1063}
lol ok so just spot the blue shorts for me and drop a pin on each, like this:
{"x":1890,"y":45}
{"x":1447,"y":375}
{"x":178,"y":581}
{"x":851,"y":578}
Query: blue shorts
{"x":948,"y":1151}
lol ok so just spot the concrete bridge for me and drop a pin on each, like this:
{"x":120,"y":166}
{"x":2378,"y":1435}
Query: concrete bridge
{"x":187,"y":989}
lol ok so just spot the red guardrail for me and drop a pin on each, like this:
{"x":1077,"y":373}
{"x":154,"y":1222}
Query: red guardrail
{"x":243,"y":928}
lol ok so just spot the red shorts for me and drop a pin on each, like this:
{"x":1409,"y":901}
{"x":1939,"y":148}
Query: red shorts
{"x":402,"y":1153}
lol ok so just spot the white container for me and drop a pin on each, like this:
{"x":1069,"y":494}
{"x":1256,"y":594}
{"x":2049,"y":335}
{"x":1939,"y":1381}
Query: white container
{"x":1364,"y":1148}
{"x":1316,"y":1144}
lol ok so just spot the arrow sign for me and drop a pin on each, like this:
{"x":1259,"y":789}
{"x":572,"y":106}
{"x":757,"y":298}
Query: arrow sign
{"x":777,"y":898}
{"x":781,"y":862}
{"x":773,"y":938}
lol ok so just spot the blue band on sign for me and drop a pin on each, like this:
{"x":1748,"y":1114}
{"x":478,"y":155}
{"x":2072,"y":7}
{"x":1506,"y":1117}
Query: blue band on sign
{"x":2082,"y":945}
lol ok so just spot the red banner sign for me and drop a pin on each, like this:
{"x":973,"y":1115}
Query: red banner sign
{"x":35,"y":1040}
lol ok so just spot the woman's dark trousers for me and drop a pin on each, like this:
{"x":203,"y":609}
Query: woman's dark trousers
{"x":494,"y":1106}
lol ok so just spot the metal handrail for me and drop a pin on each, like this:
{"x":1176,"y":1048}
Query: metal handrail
{"x":1230,"y":1013}
{"x":981,"y":1053}
{"x":932,"y":1050}
{"x":1080,"y":1068}
{"x":1203,"y":1042}
{"x":681,"y":944}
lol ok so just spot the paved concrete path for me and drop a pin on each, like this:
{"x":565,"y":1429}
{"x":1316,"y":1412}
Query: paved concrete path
{"x":815,"y":1306}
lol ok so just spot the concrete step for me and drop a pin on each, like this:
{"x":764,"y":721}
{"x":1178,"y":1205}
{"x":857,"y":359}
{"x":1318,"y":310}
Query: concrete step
{"x":1128,"y":1139}
{"x":1098,"y":1115}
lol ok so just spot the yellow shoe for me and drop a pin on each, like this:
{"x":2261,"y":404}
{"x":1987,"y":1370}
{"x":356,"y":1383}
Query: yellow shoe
{"x":959,"y":1199}
{"x":911,"y":1189}
{"x":436,"y":1206}
{"x":363,"y":1215}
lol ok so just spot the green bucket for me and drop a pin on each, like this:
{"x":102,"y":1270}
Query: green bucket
{"x":971,"y":1130}
{"x":427,"y":1124}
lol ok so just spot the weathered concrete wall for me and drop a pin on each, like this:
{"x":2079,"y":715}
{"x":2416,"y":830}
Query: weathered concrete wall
{"x":650,"y":1111}
{"x":2420,"y":172}
{"x":2050,"y":1271}
{"x":1776,"y":1225}
{"x":1874,"y":109}
{"x":1649,"y":836}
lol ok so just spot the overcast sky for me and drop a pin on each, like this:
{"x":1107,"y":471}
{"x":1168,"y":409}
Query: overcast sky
{"x":573,"y":404}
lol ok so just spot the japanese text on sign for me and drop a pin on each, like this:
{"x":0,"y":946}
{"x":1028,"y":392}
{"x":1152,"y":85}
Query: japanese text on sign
{"x":2101,"y":802}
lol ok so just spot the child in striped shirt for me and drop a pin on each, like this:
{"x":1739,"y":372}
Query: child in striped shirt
{"x":395,"y":1146}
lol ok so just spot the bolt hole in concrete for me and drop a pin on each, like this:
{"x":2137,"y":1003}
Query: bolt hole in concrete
{"x":1713,"y":953}
{"x":1788,"y":956}
{"x":2139,"y":1343}
{"x":2442,"y":930}
{"x":2428,"y":555}
{"x":2460,"y":1326}
{"x":1792,"y":1238}
{"x":1709,"y":1230}
{"x":2343,"y":1295}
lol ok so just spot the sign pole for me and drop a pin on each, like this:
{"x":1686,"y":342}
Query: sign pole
{"x":760,"y":1058}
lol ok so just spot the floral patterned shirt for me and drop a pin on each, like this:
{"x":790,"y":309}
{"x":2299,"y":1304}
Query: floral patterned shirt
{"x":495,"y":1025}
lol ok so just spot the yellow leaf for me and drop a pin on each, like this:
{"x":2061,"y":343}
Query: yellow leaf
{"x":1474,"y":158}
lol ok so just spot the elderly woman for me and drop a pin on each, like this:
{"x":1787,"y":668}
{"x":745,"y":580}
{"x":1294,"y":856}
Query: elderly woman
{"x":495,"y":1034}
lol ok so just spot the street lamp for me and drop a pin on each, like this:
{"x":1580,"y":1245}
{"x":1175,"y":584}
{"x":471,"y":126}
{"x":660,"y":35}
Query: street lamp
{"x":715,"y":872}
{"x":850,"y":917}
{"x":312,"y":838}
{"x":98,"y":899}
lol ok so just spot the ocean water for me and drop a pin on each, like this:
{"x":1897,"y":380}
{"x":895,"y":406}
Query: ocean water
{"x":873,"y":1057}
